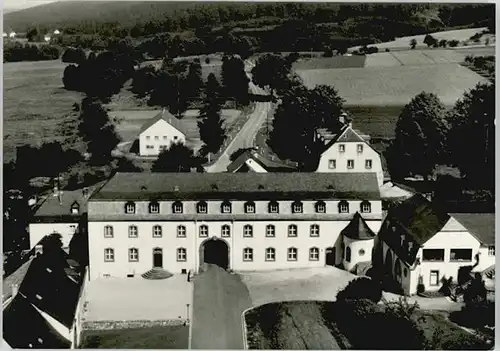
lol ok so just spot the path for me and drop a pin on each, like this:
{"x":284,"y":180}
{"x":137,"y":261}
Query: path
{"x":218,"y":302}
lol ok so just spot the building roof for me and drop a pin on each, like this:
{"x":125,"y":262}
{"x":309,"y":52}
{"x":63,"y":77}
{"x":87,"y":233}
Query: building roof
{"x":357,"y":229}
{"x":268,"y":165}
{"x":15,"y":278}
{"x":480,"y":225}
{"x":392,"y":191}
{"x":167,"y":117}
{"x":149,"y":186}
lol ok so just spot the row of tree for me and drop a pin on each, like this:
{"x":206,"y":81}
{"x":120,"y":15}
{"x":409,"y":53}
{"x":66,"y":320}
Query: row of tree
{"x":16,"y":52}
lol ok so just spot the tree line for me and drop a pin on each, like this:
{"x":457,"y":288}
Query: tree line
{"x":16,"y":52}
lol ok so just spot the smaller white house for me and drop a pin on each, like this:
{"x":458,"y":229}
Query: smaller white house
{"x":57,"y":32}
{"x":357,"y":242}
{"x":5,"y":35}
{"x":159,"y":132}
{"x":47,"y":37}
{"x":12,"y":35}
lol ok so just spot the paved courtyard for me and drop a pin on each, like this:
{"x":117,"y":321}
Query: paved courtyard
{"x":137,"y":298}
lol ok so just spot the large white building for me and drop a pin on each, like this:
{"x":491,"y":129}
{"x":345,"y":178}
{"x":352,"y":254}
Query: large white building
{"x":240,"y":221}
{"x":159,"y":132}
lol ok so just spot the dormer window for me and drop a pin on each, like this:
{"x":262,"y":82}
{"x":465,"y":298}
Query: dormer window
{"x":154,"y":207}
{"x":177,"y":207}
{"x":226,"y":207}
{"x":202,"y":207}
{"x":249,"y":207}
{"x":366,"y":207}
{"x":360,"y":148}
{"x":343,"y":207}
{"x":75,"y":208}
{"x":341,"y":148}
{"x":274,"y":207}
{"x":130,"y":208}
{"x":297,"y":207}
{"x":320,"y":207}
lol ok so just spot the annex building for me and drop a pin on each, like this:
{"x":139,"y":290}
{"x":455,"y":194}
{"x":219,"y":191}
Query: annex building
{"x":240,"y":221}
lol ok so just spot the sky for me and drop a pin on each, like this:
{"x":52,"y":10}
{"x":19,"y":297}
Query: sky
{"x":23,"y":4}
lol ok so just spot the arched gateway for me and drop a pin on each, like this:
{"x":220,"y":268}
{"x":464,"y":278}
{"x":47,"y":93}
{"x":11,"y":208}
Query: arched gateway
{"x":215,"y":251}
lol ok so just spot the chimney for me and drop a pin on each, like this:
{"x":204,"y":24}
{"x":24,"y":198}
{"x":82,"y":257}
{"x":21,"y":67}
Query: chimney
{"x":15,"y":289}
{"x":85,"y":192}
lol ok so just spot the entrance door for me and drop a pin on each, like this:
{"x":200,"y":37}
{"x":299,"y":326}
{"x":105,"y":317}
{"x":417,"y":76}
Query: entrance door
{"x":330,"y":256}
{"x":216,"y":252}
{"x":158,"y":257}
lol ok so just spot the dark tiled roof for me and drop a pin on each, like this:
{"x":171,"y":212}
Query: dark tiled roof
{"x":15,"y":278}
{"x":147,"y":186}
{"x":357,"y":229}
{"x":269,"y":165}
{"x":346,"y":135}
{"x":167,"y":117}
{"x":481,"y":225}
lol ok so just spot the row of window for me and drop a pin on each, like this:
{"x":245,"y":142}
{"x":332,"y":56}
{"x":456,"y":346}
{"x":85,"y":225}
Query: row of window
{"x":157,"y":232}
{"x":359,"y":148}
{"x":249,"y":207}
{"x":248,"y":254}
{"x":332,"y":164}
{"x":455,"y":254}
{"x":156,"y":137}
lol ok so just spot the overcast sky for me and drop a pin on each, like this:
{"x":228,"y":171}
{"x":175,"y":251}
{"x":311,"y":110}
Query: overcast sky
{"x":22,"y":4}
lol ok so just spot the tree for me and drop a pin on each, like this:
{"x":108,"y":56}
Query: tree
{"x":419,"y":144}
{"x":234,"y":79}
{"x":361,"y":288}
{"x":193,"y":80}
{"x":126,"y":165}
{"x":32,"y":34}
{"x":429,"y":40}
{"x":272,"y":71}
{"x":177,"y":158}
{"x":413,"y":43}
{"x":169,"y":90}
{"x":72,"y":55}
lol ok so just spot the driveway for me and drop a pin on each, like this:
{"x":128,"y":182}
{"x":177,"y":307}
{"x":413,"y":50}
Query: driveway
{"x":218,"y":302}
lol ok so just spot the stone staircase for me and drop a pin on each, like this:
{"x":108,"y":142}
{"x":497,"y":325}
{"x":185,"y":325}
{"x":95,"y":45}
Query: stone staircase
{"x":156,"y":274}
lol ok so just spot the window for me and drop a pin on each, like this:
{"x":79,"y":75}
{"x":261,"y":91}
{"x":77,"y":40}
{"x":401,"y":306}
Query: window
{"x":181,"y":254}
{"x":314,"y":230}
{"x":292,"y":254}
{"x":181,"y":231}
{"x":368,"y":164}
{"x":332,"y":164}
{"x":75,"y":209}
{"x":292,"y":231}
{"x":154,"y":207}
{"x":163,"y":147}
{"x":274,"y":207}
{"x":201,"y":207}
{"x":461,"y":255}
{"x":361,"y":252}
{"x":108,"y":231}
{"x":225,"y":231}
{"x":129,"y":207}
{"x":177,"y":207}
{"x":270,"y":231}
{"x":225,"y":207}
{"x":320,"y":207}
{"x":270,"y":254}
{"x":360,"y":148}
{"x":348,"y":254}
{"x":313,"y":254}
{"x":175,"y":137}
{"x":148,"y":137}
{"x":247,"y":231}
{"x":366,"y":207}
{"x":341,"y":148}
{"x":133,"y":232}
{"x":109,"y":255}
{"x":434,"y":278}
{"x":433,"y":254}
{"x":350,"y":164}
{"x":72,"y":228}
{"x":249,"y":207}
{"x":156,"y":231}
{"x":491,"y":250}
{"x":157,"y":137}
{"x":133,"y":255}
{"x":297,"y":207}
{"x":150,"y":147}
{"x":247,"y":254}
{"x":343,"y":207}
{"x":165,"y":137}
{"x":203,"y":231}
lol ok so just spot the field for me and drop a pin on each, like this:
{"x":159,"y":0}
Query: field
{"x":36,"y":107}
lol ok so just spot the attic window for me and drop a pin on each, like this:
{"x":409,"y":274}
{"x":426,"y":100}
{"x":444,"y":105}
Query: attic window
{"x":143,"y":188}
{"x":261,"y":186}
{"x":75,"y":208}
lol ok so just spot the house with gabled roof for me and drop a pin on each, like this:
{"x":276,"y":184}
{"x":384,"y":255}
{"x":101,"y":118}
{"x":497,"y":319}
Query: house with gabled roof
{"x":159,"y":132}
{"x":252,"y":161}
{"x":420,"y":244}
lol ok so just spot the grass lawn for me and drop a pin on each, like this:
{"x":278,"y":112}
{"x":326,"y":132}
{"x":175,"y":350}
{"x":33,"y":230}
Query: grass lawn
{"x":171,"y":337}
{"x":330,"y":62}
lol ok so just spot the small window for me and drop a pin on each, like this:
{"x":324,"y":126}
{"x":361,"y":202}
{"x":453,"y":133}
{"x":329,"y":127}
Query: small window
{"x":274,"y":207}
{"x":270,"y":254}
{"x":109,"y":255}
{"x":320,"y":207}
{"x":297,"y":207}
{"x":181,"y":254}
{"x":348,"y":254}
{"x":165,"y":137}
{"x":72,"y":228}
{"x":133,"y":255}
{"x":75,"y":210}
{"x":247,"y":254}
{"x":368,"y":164}
{"x":133,"y":232}
{"x":163,"y":147}
{"x":361,"y":252}
{"x":343,"y":207}
{"x":461,"y":255}
{"x":108,"y":231}
{"x":314,"y":230}
{"x":201,"y":207}
{"x":247,"y":231}
{"x":270,"y":231}
{"x":434,"y":278}
{"x":292,"y":254}
{"x":203,"y":231}
{"x":225,"y":231}
{"x":157,"y":137}
{"x":433,"y":254}
{"x":148,"y":137}
{"x":177,"y":207}
{"x":332,"y":164}
{"x":341,"y":148}
{"x":292,"y":231}
{"x":360,"y":148}
{"x":405,"y":272}
{"x":154,"y":207}
{"x":249,"y":207}
{"x":157,"y":231}
{"x":226,"y":207}
{"x":491,"y":250}
{"x":176,"y":137}
{"x":350,"y":164}
{"x":366,"y":207}
{"x":313,"y":254}
{"x":150,"y":147}
{"x":130,"y":208}
{"x":181,"y":231}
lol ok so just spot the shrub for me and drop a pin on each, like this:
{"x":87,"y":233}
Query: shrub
{"x":361,"y":288}
{"x":429,"y":40}
{"x":387,"y":50}
{"x":328,"y":52}
{"x":453,"y":43}
{"x":475,"y":315}
{"x":461,"y":341}
{"x":443,"y":43}
{"x":420,"y":285}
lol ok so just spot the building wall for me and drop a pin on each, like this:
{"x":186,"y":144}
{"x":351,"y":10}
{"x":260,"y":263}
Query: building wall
{"x":40,"y":230}
{"x":356,"y":246}
{"x":485,"y":259}
{"x":351,"y":153}
{"x":160,"y":129}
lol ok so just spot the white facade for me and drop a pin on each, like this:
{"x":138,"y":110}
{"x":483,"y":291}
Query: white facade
{"x":39,"y":230}
{"x":356,"y":251}
{"x":157,"y":137}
